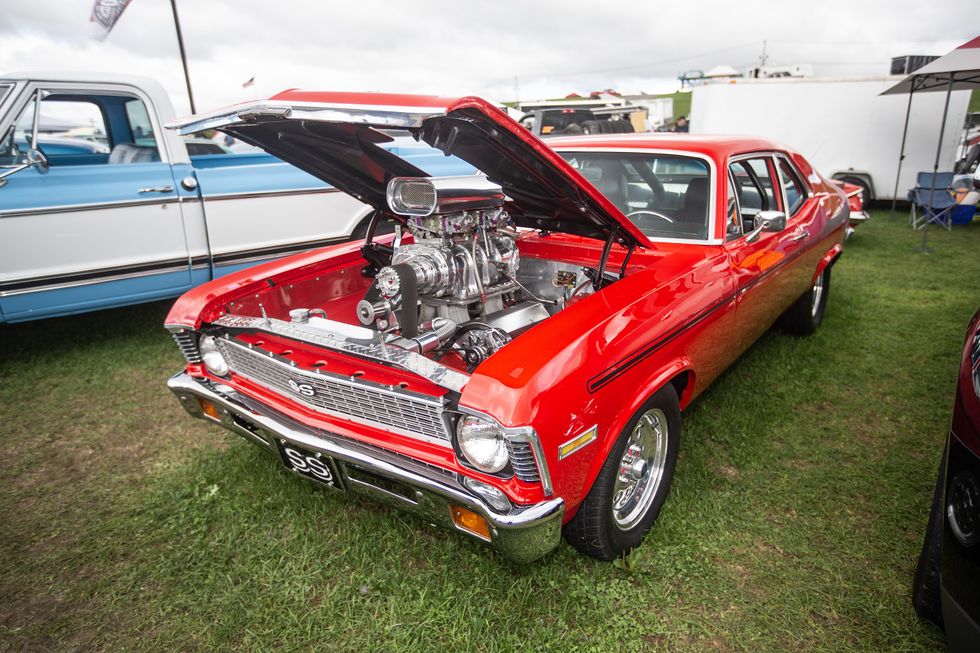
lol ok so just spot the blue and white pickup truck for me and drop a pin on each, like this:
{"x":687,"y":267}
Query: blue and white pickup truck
{"x":100,"y":206}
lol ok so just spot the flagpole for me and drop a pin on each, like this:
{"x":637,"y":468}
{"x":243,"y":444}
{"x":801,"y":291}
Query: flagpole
{"x":183,"y":55}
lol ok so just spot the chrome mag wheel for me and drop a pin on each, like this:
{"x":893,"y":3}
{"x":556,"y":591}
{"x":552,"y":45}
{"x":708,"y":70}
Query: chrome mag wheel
{"x":816,"y":296}
{"x":641,"y":469}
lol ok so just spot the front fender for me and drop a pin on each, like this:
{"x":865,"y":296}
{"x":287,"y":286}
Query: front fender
{"x":593,"y":364}
{"x":828,"y":259}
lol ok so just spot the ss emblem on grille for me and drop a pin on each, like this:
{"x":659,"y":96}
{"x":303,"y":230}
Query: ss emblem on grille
{"x":304,"y":389}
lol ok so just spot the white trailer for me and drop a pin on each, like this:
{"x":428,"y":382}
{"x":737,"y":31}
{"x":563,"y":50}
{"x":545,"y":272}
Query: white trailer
{"x":843,"y":125}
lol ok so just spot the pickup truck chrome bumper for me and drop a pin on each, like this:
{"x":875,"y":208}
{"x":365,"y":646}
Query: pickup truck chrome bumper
{"x":522,"y":535}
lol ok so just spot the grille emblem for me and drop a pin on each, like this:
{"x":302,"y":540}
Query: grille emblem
{"x":304,"y":389}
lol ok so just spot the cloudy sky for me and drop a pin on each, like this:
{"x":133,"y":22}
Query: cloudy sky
{"x":552,"y":47}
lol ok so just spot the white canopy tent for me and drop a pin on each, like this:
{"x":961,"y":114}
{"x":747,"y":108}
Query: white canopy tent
{"x":957,"y":70}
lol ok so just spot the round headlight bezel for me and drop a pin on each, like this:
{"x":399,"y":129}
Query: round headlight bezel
{"x":474,"y":432}
{"x":214,"y":362}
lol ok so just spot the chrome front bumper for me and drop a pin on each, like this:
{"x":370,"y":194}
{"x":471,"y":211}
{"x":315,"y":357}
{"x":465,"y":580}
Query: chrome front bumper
{"x":522,"y":535}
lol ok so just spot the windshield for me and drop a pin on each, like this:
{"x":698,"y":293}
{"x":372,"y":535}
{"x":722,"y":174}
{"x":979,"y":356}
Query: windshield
{"x":664,"y":195}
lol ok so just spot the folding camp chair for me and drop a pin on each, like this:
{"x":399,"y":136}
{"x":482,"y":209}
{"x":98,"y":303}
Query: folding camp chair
{"x":931,"y":200}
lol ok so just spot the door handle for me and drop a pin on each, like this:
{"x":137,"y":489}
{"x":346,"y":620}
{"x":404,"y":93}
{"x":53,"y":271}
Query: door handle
{"x":800,"y":235}
{"x":156,"y":189}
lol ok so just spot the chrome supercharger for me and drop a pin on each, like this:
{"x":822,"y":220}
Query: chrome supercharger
{"x":456,"y":284}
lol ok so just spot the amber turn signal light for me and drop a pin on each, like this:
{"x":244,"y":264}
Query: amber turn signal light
{"x":471,"y":522}
{"x":209,"y":409}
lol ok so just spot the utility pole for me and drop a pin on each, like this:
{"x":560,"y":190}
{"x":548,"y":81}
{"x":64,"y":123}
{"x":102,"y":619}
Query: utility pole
{"x":517,"y":93}
{"x":183,"y":55}
{"x":764,"y":57}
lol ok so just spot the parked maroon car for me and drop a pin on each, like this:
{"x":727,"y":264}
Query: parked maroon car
{"x":947,"y":580}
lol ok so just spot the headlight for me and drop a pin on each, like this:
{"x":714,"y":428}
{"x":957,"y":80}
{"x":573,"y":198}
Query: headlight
{"x":482,"y":443}
{"x":213,"y":360}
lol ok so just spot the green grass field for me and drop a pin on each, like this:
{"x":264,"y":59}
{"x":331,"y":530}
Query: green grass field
{"x":793,"y":525}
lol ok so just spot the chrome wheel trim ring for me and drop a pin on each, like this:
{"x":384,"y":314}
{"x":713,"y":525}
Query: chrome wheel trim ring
{"x":816,"y":296}
{"x":641,"y":470}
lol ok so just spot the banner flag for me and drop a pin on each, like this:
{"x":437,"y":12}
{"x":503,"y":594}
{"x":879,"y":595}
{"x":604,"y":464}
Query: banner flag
{"x":105,"y":13}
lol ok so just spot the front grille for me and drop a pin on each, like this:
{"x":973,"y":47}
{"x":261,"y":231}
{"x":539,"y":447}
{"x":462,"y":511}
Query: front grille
{"x":522,"y":459}
{"x":365,"y":403}
{"x":187,"y":341}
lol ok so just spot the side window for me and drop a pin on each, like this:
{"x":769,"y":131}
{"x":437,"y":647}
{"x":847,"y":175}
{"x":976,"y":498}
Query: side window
{"x":71,"y":131}
{"x":139,"y":124}
{"x":733,"y":221}
{"x":17,"y":139}
{"x":84,"y":129}
{"x":762,"y":169}
{"x":794,"y":189}
{"x":754,"y":181}
{"x":68,"y":132}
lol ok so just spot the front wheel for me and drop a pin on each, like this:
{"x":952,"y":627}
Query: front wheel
{"x":804,"y":316}
{"x":633,"y":483}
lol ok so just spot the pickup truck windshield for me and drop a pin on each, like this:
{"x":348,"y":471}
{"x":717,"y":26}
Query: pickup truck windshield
{"x":665,"y":195}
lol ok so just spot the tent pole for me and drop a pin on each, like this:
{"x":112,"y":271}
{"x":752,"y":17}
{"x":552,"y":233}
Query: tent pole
{"x":901,"y":154}
{"x":183,"y":56}
{"x":935,"y":166}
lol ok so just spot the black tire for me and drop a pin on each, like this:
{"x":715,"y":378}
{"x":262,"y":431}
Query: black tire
{"x":925,"y":585}
{"x":573,"y":129}
{"x":806,"y":314}
{"x":591,"y":127}
{"x":594,"y":531}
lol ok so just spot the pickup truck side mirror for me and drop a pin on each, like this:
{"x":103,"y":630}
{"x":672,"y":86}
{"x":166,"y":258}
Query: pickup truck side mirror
{"x":35,"y":157}
{"x":766,"y":221}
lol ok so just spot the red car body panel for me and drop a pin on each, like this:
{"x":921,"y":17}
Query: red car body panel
{"x":855,"y":201}
{"x":682,"y":313}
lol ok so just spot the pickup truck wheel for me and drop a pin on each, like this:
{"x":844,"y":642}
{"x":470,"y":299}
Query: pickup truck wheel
{"x":633,"y":483}
{"x":806,"y":314}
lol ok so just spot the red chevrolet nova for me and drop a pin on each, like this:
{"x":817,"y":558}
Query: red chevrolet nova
{"x":513,"y":362}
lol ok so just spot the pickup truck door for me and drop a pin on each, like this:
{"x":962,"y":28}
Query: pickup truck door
{"x":102,"y":226}
{"x":258,"y":208}
{"x":767,"y":269}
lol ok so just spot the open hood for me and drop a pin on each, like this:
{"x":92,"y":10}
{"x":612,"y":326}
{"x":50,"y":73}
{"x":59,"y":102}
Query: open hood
{"x":346,"y":140}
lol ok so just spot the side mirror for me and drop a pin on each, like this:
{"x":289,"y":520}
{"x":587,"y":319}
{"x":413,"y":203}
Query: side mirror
{"x":774,"y":221}
{"x":34,"y":158}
